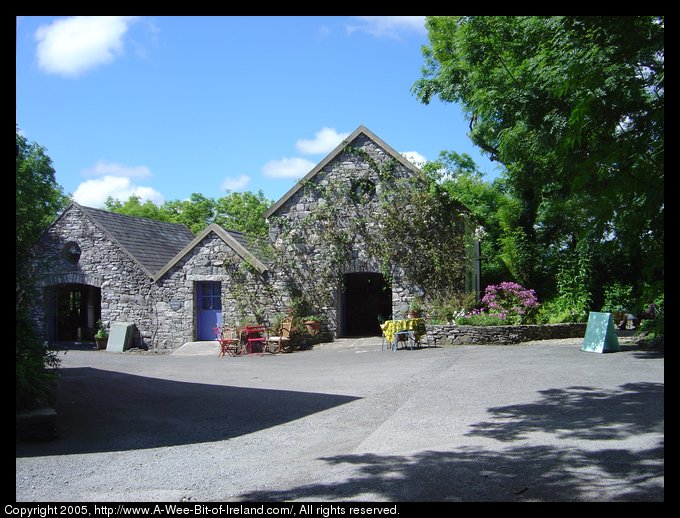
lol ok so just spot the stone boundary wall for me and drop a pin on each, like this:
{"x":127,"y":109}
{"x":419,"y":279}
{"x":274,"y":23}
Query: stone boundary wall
{"x":451,"y":334}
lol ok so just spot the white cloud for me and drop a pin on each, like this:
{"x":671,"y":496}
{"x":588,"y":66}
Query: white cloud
{"x":71,"y":46}
{"x":235,"y":184}
{"x":103,"y":168}
{"x":93,"y":193}
{"x":325,"y":141}
{"x":389,"y":26}
{"x":287,"y":168}
{"x":415,"y":158}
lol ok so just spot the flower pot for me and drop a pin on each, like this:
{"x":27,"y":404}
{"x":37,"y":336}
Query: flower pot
{"x":101,"y":342}
{"x":313,"y":326}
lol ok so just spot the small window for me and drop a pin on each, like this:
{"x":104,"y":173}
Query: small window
{"x":71,"y":252}
{"x":211,"y":296}
{"x":362,"y":189}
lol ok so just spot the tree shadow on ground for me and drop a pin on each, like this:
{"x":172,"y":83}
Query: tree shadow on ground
{"x":577,"y":470}
{"x":109,"y":411}
{"x":539,"y":473}
{"x":581,"y":413}
{"x":643,"y":351}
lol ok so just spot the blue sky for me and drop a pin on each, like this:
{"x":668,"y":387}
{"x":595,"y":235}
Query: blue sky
{"x":163,"y":107}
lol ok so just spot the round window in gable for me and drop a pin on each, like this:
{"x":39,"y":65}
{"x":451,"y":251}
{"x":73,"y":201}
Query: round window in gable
{"x":71,"y":252}
{"x":362,"y":189}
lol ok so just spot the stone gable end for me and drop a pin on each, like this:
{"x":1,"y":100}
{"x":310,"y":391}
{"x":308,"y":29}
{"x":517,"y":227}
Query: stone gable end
{"x":355,"y":170}
{"x":211,"y":260}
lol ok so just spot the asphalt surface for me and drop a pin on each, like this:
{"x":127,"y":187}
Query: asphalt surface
{"x":347,"y":421}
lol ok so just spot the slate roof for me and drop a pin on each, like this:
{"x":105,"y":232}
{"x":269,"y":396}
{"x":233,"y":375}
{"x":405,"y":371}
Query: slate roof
{"x":151,"y":244}
{"x":156,"y":246}
{"x":240,"y":237}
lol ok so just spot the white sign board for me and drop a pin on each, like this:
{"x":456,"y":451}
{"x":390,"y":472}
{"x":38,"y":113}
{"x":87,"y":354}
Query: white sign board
{"x":120,"y":337}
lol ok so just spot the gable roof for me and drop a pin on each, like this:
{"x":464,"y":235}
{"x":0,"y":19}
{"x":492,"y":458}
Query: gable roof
{"x":149,"y":243}
{"x":235,"y":240}
{"x":332,"y":155}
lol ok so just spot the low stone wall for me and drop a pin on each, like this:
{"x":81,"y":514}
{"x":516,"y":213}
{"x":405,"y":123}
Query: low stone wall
{"x":451,"y":334}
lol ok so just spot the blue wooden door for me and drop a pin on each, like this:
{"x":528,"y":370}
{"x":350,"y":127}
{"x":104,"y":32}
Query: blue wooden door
{"x":209,"y":309}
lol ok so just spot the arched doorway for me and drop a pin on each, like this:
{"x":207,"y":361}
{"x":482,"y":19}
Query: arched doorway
{"x":72,"y":312}
{"x":364,"y":297}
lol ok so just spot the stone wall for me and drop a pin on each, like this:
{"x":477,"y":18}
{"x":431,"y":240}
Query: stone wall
{"x":451,"y":334}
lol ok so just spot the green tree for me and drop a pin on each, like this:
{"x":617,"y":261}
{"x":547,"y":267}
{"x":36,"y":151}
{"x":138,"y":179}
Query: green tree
{"x":133,"y":206}
{"x":573,"y":107}
{"x":243,"y":211}
{"x":196,"y":213}
{"x":236,"y":211}
{"x":39,"y":199}
{"x":460,"y":176}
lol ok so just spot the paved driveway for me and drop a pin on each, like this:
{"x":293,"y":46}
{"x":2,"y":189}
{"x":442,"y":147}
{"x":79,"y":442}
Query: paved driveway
{"x":348,"y":421}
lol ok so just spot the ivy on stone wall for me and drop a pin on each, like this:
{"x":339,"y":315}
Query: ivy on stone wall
{"x":366,"y":208}
{"x":400,"y":220}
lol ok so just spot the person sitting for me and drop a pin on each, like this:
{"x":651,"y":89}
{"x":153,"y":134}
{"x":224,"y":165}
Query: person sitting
{"x":646,"y":314}
{"x":628,"y":318}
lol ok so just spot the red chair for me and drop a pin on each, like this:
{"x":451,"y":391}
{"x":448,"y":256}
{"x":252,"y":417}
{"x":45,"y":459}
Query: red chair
{"x":255,"y":335}
{"x":230,"y":341}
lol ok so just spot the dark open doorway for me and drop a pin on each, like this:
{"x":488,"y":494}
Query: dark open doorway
{"x":72,"y":312}
{"x":363,"y":298}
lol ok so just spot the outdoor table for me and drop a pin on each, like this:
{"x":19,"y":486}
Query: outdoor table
{"x":255,"y":335}
{"x":392,"y":328}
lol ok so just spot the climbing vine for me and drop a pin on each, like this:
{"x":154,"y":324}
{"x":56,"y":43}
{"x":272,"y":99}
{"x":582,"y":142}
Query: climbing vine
{"x":377,"y":212}
{"x":402,"y":223}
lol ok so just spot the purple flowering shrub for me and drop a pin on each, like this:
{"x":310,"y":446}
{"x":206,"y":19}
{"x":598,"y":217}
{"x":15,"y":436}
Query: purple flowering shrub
{"x":511,"y":302}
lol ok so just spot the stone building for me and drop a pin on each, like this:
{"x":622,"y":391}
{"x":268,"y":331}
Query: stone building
{"x":93,"y":265}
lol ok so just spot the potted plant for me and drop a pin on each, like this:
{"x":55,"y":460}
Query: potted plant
{"x":415,"y":308}
{"x":101,"y":337}
{"x":312,"y":323}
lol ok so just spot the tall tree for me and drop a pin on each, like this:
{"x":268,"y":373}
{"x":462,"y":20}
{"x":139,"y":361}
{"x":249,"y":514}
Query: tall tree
{"x":573,"y":107}
{"x":39,"y":199}
{"x":243,"y":211}
{"x":490,"y":205}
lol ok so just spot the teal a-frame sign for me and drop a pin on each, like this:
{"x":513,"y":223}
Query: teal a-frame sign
{"x":601,"y":334}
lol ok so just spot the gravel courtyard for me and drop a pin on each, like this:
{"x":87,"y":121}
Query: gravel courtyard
{"x":347,"y":421}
